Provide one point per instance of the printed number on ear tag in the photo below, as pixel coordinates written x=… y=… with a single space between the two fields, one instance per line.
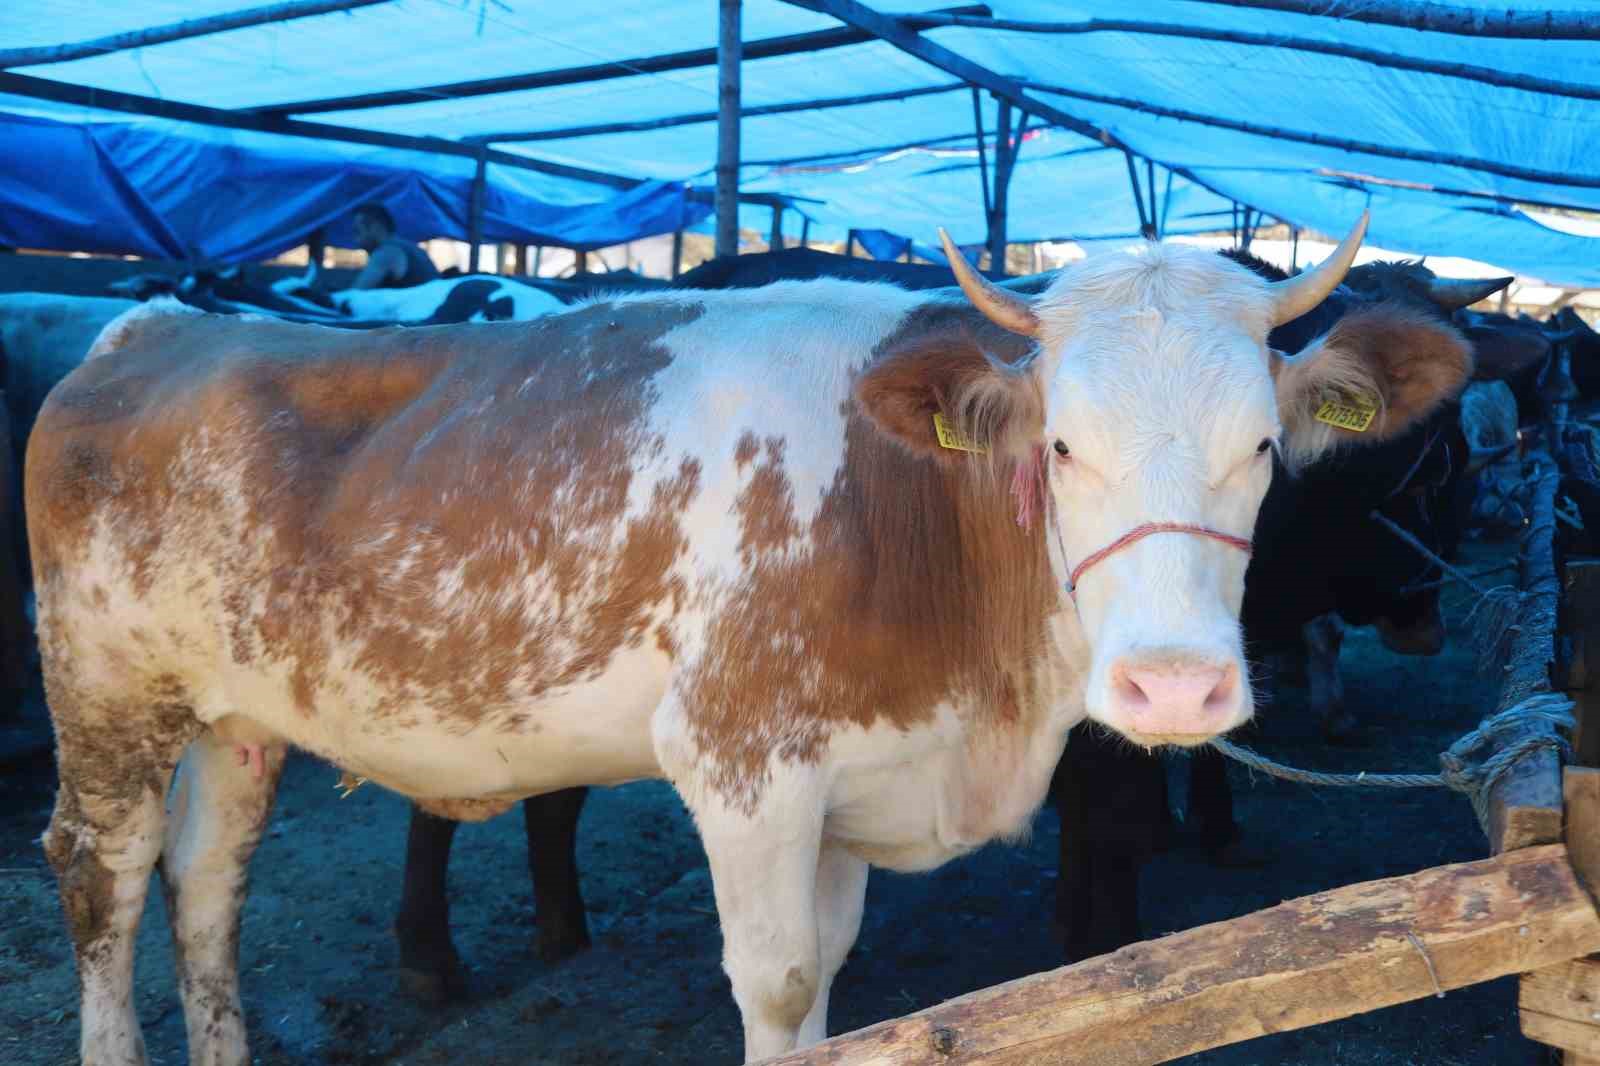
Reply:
x=952 y=438
x=1354 y=413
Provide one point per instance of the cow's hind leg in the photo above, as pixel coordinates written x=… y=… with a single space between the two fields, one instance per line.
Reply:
x=217 y=813
x=551 y=821
x=115 y=761
x=430 y=968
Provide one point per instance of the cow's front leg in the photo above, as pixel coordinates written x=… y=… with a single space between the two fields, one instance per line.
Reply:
x=1324 y=637
x=841 y=893
x=764 y=870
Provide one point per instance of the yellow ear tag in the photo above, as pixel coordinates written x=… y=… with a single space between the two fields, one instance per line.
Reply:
x=952 y=438
x=1354 y=413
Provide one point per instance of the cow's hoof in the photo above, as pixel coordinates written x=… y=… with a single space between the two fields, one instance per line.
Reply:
x=559 y=941
x=435 y=987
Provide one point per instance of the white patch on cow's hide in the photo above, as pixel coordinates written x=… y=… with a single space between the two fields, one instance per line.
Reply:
x=116 y=331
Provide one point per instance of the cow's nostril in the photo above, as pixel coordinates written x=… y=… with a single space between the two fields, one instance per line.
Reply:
x=1222 y=693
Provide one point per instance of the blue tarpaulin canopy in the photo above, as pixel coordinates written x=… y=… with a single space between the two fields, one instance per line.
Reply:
x=1301 y=115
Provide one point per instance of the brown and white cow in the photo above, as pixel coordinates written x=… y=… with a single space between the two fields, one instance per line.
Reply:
x=711 y=537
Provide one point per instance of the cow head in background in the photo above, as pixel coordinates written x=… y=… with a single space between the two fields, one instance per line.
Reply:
x=1139 y=437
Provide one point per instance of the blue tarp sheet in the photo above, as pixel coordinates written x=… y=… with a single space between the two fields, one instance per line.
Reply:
x=178 y=191
x=1442 y=156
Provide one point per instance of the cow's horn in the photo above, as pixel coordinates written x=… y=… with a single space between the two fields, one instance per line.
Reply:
x=1452 y=294
x=1005 y=309
x=1297 y=295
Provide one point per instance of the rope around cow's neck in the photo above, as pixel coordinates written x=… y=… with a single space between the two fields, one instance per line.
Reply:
x=1465 y=765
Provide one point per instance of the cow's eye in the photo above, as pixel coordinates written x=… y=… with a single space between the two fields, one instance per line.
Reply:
x=1264 y=446
x=1062 y=449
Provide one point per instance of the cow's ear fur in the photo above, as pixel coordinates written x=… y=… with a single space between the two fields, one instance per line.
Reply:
x=997 y=406
x=1403 y=361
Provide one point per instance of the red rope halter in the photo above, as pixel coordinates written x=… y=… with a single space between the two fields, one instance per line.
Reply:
x=1140 y=532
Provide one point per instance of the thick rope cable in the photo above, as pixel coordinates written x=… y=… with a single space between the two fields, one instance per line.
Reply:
x=1472 y=765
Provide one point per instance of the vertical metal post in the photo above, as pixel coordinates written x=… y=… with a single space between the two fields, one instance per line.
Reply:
x=316 y=247
x=850 y=245
x=1249 y=229
x=1138 y=194
x=775 y=243
x=805 y=231
x=580 y=261
x=1150 y=183
x=983 y=156
x=1294 y=248
x=677 y=253
x=480 y=186
x=1166 y=207
x=538 y=254
x=730 y=50
x=1004 y=153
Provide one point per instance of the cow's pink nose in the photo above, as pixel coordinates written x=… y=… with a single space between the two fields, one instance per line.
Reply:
x=1175 y=700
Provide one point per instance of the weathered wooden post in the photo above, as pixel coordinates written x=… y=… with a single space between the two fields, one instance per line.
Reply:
x=729 y=50
x=475 y=210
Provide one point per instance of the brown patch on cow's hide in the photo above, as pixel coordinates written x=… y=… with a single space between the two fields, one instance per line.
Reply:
x=766 y=506
x=464 y=810
x=444 y=506
x=746 y=450
x=931 y=367
x=911 y=586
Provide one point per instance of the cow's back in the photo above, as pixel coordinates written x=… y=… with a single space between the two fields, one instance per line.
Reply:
x=266 y=495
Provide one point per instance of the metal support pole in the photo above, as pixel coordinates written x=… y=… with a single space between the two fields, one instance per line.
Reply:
x=1166 y=208
x=850 y=245
x=729 y=49
x=775 y=243
x=580 y=261
x=538 y=254
x=317 y=247
x=983 y=155
x=677 y=253
x=1150 y=184
x=805 y=231
x=475 y=212
x=1249 y=229
x=1005 y=153
x=1138 y=194
x=1294 y=248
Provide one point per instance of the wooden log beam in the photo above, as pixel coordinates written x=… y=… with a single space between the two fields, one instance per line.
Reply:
x=1346 y=144
x=1373 y=56
x=1307 y=961
x=701 y=117
x=766 y=48
x=136 y=104
x=1442 y=18
x=176 y=31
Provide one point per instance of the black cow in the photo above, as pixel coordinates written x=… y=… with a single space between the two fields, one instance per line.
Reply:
x=800 y=264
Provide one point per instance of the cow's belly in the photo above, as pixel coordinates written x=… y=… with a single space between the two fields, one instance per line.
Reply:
x=594 y=732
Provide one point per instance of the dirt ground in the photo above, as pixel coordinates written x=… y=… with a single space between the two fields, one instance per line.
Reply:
x=318 y=959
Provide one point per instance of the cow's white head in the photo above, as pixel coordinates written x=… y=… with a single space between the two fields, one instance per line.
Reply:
x=1139 y=433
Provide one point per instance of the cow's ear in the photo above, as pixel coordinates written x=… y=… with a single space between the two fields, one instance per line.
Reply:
x=945 y=398
x=1370 y=378
x=1500 y=354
